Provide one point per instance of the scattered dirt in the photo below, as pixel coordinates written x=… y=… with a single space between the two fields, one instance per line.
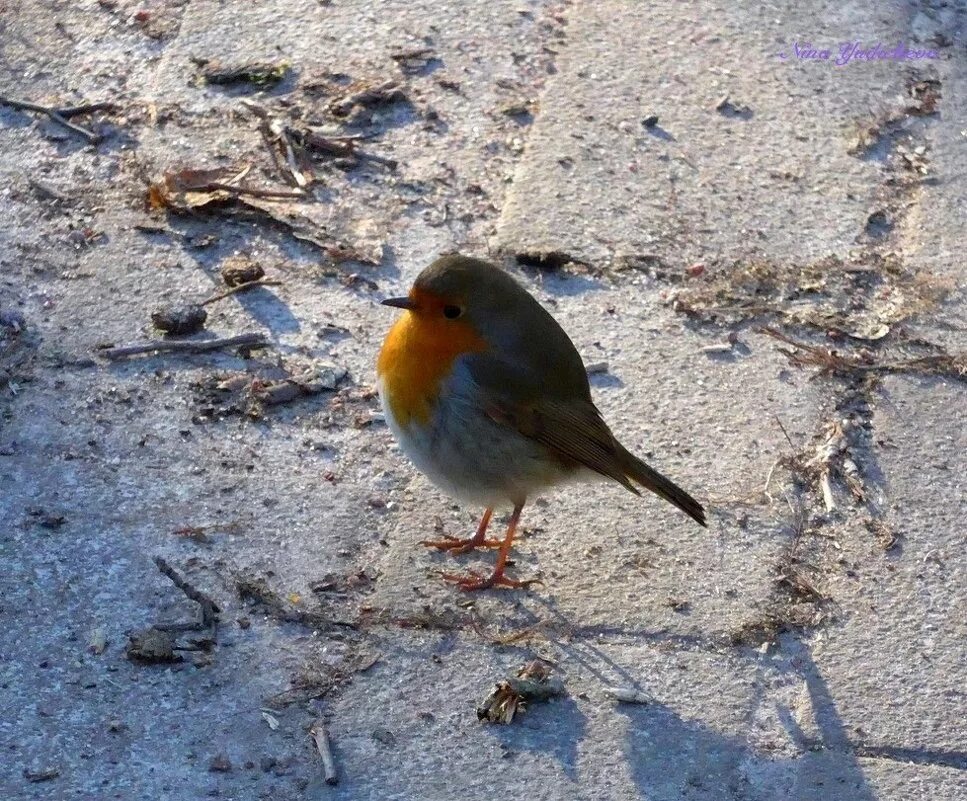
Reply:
x=252 y=392
x=889 y=125
x=316 y=680
x=17 y=349
x=256 y=592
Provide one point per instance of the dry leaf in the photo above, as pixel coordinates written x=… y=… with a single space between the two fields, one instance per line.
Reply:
x=271 y=719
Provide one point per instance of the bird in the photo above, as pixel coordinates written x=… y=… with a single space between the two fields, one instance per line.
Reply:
x=489 y=398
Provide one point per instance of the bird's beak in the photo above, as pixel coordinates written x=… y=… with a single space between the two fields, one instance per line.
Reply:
x=399 y=303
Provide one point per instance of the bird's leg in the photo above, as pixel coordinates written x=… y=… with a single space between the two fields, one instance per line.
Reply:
x=459 y=545
x=474 y=581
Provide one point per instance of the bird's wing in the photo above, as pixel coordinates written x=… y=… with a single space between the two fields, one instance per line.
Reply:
x=569 y=426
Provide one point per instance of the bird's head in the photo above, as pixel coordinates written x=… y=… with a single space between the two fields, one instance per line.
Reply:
x=462 y=294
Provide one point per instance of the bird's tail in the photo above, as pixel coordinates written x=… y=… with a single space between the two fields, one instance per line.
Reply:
x=651 y=479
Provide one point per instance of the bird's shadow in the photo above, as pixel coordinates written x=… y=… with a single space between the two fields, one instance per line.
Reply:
x=670 y=756
x=553 y=729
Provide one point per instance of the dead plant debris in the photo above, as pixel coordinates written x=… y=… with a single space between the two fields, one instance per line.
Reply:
x=357 y=103
x=320 y=736
x=157 y=645
x=923 y=99
x=730 y=108
x=832 y=361
x=794 y=580
x=63 y=115
x=532 y=683
x=763 y=630
x=97 y=641
x=316 y=680
x=189 y=189
x=628 y=695
x=341 y=583
x=548 y=260
x=220 y=763
x=862 y=296
x=298 y=149
x=240 y=288
x=255 y=591
x=202 y=534
x=152 y=647
x=538 y=630
x=262 y=74
x=414 y=61
x=250 y=394
x=887 y=537
x=345 y=148
x=209 y=610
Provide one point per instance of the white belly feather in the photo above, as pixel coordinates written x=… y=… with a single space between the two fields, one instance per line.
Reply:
x=468 y=455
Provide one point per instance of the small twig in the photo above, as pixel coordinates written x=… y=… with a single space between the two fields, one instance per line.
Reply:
x=330 y=145
x=827 y=488
x=408 y=55
x=275 y=132
x=785 y=433
x=209 y=609
x=241 y=288
x=270 y=146
x=86 y=108
x=57 y=115
x=954 y=365
x=256 y=108
x=249 y=190
x=389 y=163
x=321 y=738
x=765 y=489
x=520 y=634
x=300 y=180
x=341 y=146
x=181 y=346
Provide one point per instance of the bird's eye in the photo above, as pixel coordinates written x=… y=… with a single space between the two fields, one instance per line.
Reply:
x=452 y=312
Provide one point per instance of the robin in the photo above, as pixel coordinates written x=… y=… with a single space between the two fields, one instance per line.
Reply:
x=489 y=398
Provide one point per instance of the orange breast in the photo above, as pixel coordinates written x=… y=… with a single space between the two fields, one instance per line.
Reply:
x=417 y=356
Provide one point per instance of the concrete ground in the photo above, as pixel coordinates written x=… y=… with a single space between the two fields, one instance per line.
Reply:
x=760 y=253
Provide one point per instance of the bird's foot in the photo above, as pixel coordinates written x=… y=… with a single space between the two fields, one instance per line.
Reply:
x=458 y=545
x=471 y=581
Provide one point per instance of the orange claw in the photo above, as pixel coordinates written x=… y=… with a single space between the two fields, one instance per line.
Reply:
x=474 y=581
x=458 y=545
x=471 y=581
